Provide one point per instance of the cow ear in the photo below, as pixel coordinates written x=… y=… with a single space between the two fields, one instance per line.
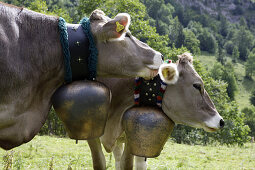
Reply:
x=116 y=29
x=97 y=15
x=169 y=73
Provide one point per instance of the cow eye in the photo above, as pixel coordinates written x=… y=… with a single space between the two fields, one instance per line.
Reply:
x=197 y=86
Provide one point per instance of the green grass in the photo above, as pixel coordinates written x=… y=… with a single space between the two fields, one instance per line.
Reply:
x=244 y=85
x=45 y=152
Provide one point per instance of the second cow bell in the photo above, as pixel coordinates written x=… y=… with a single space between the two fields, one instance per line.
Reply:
x=147 y=130
x=83 y=106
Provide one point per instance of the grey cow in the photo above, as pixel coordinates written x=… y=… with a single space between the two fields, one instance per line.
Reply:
x=32 y=65
x=185 y=102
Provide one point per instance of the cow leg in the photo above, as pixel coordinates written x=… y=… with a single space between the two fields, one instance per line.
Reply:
x=117 y=152
x=140 y=163
x=127 y=159
x=97 y=154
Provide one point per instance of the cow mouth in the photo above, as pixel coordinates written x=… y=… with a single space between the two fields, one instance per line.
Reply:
x=210 y=129
x=153 y=73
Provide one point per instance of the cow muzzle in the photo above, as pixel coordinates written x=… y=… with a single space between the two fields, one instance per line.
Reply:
x=214 y=124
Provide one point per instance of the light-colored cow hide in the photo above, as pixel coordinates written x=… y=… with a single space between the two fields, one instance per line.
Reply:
x=183 y=102
x=32 y=66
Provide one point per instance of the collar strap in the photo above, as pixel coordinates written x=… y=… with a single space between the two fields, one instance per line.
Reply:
x=80 y=52
x=149 y=92
x=65 y=47
x=92 y=60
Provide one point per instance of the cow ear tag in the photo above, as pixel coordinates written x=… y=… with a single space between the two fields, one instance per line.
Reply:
x=119 y=27
x=165 y=72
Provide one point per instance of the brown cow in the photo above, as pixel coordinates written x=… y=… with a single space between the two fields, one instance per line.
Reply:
x=32 y=65
x=185 y=102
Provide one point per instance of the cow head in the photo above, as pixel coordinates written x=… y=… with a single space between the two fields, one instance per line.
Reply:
x=185 y=100
x=120 y=53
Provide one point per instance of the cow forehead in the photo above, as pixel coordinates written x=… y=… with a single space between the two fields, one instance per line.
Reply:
x=188 y=73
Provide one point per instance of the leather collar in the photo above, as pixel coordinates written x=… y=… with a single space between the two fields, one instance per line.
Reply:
x=79 y=51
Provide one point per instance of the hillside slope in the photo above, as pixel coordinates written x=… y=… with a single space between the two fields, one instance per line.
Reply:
x=244 y=85
x=231 y=9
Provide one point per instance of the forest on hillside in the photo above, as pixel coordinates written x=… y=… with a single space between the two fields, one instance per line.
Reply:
x=173 y=27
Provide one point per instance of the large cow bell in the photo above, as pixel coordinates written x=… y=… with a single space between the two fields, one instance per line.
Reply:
x=83 y=106
x=147 y=130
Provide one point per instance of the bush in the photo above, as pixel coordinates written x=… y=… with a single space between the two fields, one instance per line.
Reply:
x=252 y=98
x=250 y=119
x=207 y=41
x=229 y=46
x=191 y=42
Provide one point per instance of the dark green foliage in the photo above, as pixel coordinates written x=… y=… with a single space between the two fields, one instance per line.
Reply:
x=174 y=52
x=235 y=54
x=229 y=46
x=223 y=26
x=207 y=41
x=225 y=73
x=176 y=36
x=244 y=40
x=161 y=13
x=252 y=99
x=53 y=126
x=250 y=65
x=191 y=42
x=238 y=10
x=221 y=55
x=229 y=77
x=250 y=118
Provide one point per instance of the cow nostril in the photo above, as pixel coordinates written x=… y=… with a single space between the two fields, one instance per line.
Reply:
x=222 y=123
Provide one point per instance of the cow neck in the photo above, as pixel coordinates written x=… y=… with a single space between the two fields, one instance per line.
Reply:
x=79 y=51
x=149 y=92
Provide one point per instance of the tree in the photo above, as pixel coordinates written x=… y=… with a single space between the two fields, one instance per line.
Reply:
x=244 y=39
x=235 y=54
x=221 y=56
x=195 y=27
x=223 y=26
x=229 y=46
x=252 y=98
x=176 y=34
x=207 y=41
x=41 y=6
x=250 y=65
x=229 y=77
x=191 y=41
x=217 y=71
x=87 y=6
x=225 y=73
x=250 y=119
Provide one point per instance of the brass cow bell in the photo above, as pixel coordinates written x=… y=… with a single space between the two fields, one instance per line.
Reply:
x=147 y=130
x=83 y=108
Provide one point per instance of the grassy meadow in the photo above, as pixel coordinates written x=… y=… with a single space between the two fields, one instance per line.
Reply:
x=45 y=152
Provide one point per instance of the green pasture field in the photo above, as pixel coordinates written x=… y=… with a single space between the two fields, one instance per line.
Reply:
x=45 y=152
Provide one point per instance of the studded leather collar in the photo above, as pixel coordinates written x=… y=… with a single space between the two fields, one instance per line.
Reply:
x=149 y=92
x=79 y=51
